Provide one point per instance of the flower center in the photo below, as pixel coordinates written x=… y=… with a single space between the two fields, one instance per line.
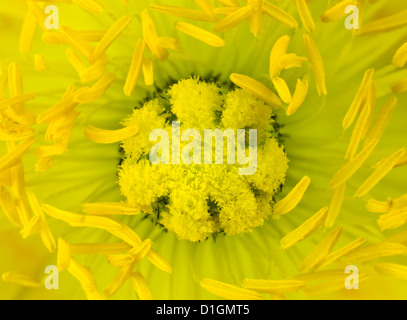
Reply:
x=199 y=188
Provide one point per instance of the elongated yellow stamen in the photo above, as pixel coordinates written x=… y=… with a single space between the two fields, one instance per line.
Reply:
x=400 y=87
x=225 y=11
x=157 y=260
x=85 y=278
x=14 y=156
x=114 y=31
x=305 y=15
x=402 y=161
x=119 y=280
x=110 y=208
x=10 y=102
x=335 y=205
x=394 y=219
x=148 y=72
x=282 y=89
x=378 y=250
x=400 y=202
x=256 y=19
x=357 y=102
x=291 y=60
x=49 y=151
x=206 y=6
x=100 y=248
x=30 y=228
x=380 y=173
x=399 y=238
x=94 y=71
x=182 y=12
x=228 y=291
x=348 y=170
x=77 y=41
x=56 y=111
x=169 y=43
x=27 y=32
x=288 y=204
x=256 y=88
x=126 y=234
x=37 y=10
x=400 y=57
x=304 y=230
x=89 y=95
x=379 y=206
x=229 y=3
x=273 y=286
x=64 y=254
x=59 y=37
x=39 y=62
x=234 y=19
x=138 y=253
x=392 y=270
x=337 y=11
x=320 y=275
x=135 y=68
x=75 y=61
x=77 y=220
x=15 y=132
x=21 y=279
x=384 y=24
x=90 y=5
x=330 y=286
x=342 y=252
x=200 y=34
x=15 y=83
x=317 y=64
x=301 y=91
x=321 y=250
x=141 y=286
x=279 y=14
x=110 y=136
x=120 y=260
x=277 y=52
x=361 y=126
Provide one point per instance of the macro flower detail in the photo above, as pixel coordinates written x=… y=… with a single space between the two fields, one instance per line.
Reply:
x=80 y=109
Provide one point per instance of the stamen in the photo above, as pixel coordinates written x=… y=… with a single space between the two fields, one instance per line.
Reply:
x=337 y=11
x=77 y=220
x=141 y=286
x=291 y=60
x=126 y=234
x=234 y=19
x=135 y=68
x=39 y=62
x=14 y=156
x=282 y=89
x=400 y=58
x=278 y=51
x=110 y=136
x=15 y=132
x=387 y=23
x=304 y=230
x=120 y=260
x=362 y=126
x=392 y=270
x=378 y=250
x=182 y=12
x=371 y=99
x=206 y=6
x=65 y=105
x=256 y=19
x=37 y=10
x=27 y=32
x=75 y=61
x=115 y=30
x=357 y=102
x=394 y=219
x=279 y=14
x=256 y=88
x=90 y=5
x=273 y=286
x=378 y=206
x=335 y=205
x=342 y=252
x=155 y=258
x=148 y=72
x=320 y=275
x=85 y=278
x=305 y=15
x=77 y=41
x=316 y=62
x=288 y=204
x=110 y=208
x=30 y=228
x=228 y=291
x=229 y=3
x=59 y=38
x=400 y=87
x=100 y=248
x=400 y=202
x=21 y=279
x=200 y=34
x=64 y=254
x=349 y=169
x=168 y=43
x=301 y=91
x=17 y=100
x=330 y=286
x=378 y=127
x=321 y=250
x=15 y=83
x=379 y=173
x=89 y=95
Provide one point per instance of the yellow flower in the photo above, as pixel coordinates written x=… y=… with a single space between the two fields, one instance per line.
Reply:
x=78 y=188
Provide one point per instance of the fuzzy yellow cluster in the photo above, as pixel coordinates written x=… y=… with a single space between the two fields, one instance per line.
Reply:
x=198 y=200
